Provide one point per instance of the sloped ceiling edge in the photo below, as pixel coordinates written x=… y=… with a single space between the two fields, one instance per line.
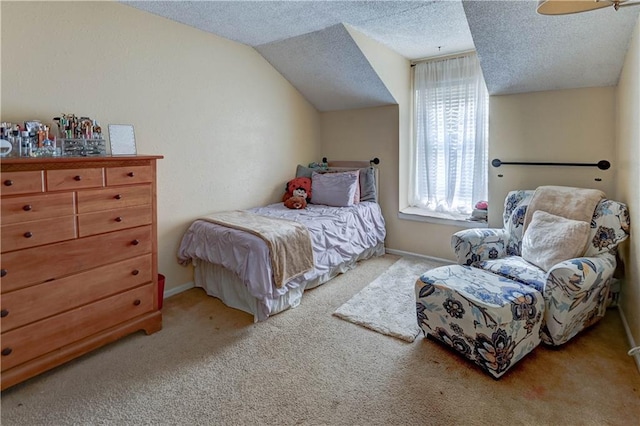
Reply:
x=329 y=69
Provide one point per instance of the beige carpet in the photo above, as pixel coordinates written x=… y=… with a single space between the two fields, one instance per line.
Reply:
x=211 y=365
x=388 y=304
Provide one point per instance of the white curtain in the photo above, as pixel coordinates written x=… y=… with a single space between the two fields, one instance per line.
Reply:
x=451 y=106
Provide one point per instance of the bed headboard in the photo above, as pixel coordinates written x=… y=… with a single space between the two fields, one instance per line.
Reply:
x=350 y=165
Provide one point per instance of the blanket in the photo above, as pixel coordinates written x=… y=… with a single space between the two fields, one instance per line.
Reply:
x=564 y=201
x=288 y=241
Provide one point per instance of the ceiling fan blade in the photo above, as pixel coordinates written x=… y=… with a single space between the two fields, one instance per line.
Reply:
x=629 y=3
x=565 y=7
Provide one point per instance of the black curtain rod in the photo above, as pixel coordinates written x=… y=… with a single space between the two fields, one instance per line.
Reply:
x=602 y=164
x=376 y=160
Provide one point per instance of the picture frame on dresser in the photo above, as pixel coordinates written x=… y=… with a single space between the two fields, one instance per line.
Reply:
x=79 y=265
x=122 y=139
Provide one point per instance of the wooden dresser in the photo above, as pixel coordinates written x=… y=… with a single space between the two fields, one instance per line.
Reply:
x=79 y=258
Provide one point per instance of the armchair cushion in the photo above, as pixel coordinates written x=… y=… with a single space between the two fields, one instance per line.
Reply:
x=516 y=269
x=551 y=239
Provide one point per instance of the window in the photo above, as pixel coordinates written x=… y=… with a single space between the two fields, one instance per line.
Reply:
x=451 y=103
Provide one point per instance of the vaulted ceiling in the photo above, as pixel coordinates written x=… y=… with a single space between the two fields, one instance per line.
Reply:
x=519 y=50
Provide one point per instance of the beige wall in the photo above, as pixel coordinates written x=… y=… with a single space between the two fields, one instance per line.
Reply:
x=230 y=127
x=557 y=126
x=373 y=132
x=628 y=179
x=363 y=134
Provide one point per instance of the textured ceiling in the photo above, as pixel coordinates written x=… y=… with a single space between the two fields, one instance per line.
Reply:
x=414 y=29
x=329 y=70
x=522 y=51
x=519 y=50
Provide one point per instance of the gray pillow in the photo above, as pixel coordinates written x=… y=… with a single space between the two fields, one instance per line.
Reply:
x=334 y=189
x=302 y=171
x=368 y=190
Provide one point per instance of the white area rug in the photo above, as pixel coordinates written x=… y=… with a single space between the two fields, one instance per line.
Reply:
x=388 y=304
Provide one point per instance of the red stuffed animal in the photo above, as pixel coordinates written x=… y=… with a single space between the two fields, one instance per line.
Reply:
x=298 y=183
x=296 y=202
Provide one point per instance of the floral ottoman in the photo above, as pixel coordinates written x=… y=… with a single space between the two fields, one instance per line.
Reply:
x=489 y=319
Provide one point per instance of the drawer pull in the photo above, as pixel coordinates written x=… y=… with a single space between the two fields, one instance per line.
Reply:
x=131 y=174
x=8 y=182
x=28 y=234
x=6 y=351
x=135 y=272
x=27 y=208
x=3 y=272
x=119 y=219
x=78 y=178
x=117 y=197
x=135 y=242
x=136 y=302
x=4 y=313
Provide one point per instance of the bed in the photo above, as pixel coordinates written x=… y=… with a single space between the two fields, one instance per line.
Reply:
x=236 y=266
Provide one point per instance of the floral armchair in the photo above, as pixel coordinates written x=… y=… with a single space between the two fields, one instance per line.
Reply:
x=576 y=290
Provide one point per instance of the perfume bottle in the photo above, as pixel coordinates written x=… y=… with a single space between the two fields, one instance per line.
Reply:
x=14 y=139
x=25 y=144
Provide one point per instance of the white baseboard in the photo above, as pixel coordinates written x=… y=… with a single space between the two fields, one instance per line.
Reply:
x=175 y=290
x=408 y=253
x=632 y=343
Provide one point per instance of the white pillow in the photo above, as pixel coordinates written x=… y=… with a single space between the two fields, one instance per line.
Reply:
x=551 y=239
x=333 y=189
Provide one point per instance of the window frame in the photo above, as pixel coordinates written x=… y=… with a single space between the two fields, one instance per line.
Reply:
x=417 y=213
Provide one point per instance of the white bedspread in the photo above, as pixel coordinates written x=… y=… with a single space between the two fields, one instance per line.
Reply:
x=338 y=234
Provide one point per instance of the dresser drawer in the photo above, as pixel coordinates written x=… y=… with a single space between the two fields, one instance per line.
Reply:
x=23 y=268
x=129 y=174
x=40 y=301
x=36 y=207
x=31 y=234
x=22 y=182
x=113 y=220
x=28 y=342
x=113 y=198
x=58 y=180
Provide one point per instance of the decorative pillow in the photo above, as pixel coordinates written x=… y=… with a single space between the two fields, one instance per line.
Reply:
x=551 y=239
x=334 y=189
